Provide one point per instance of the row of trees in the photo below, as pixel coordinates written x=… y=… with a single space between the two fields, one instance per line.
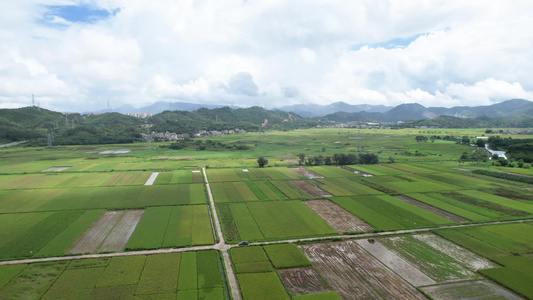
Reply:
x=338 y=159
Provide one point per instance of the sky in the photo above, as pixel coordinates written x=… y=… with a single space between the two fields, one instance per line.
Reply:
x=75 y=55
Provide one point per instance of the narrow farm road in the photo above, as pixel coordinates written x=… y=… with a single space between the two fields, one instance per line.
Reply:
x=221 y=245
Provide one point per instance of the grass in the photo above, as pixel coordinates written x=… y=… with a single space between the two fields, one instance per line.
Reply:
x=124 y=270
x=432 y=262
x=286 y=256
x=33 y=281
x=74 y=284
x=188 y=279
x=261 y=286
x=150 y=230
x=287 y=219
x=426 y=198
x=64 y=240
x=160 y=274
x=209 y=272
x=8 y=272
x=512 y=279
x=251 y=259
x=288 y=190
x=30 y=242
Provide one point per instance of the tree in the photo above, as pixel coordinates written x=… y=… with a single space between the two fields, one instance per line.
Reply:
x=421 y=138
x=262 y=161
x=480 y=143
x=301 y=158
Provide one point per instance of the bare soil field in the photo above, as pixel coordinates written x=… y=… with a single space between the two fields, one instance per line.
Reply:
x=117 y=239
x=464 y=256
x=356 y=171
x=55 y=169
x=303 y=281
x=94 y=235
x=308 y=174
x=396 y=263
x=437 y=211
x=385 y=281
x=336 y=217
x=309 y=189
x=344 y=280
x=480 y=289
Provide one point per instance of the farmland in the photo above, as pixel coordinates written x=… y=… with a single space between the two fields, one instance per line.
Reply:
x=142 y=224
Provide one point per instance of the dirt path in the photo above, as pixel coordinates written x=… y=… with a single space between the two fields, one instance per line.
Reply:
x=437 y=211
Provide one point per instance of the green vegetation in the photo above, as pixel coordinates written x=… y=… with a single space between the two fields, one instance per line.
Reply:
x=261 y=286
x=43 y=213
x=172 y=226
x=271 y=220
x=286 y=256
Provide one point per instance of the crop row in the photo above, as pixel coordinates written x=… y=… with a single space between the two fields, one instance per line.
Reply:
x=507 y=244
x=42 y=234
x=196 y=274
x=387 y=213
x=271 y=220
x=117 y=197
x=172 y=226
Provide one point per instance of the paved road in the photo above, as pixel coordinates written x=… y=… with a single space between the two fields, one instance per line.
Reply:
x=221 y=245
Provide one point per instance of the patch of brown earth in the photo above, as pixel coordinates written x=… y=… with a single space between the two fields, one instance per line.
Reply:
x=55 y=169
x=344 y=280
x=117 y=239
x=432 y=209
x=302 y=281
x=480 y=289
x=308 y=174
x=309 y=189
x=356 y=171
x=385 y=281
x=94 y=235
x=336 y=217
x=396 y=263
x=110 y=232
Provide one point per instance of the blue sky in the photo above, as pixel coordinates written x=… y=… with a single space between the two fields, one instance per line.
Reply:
x=75 y=54
x=79 y=13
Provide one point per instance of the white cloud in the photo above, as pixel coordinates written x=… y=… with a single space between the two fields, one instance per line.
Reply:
x=469 y=52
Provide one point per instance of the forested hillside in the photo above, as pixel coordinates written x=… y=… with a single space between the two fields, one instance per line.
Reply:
x=41 y=126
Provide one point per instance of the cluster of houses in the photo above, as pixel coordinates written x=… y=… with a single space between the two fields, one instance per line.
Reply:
x=172 y=136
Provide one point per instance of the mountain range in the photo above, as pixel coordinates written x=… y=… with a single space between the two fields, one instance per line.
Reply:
x=344 y=112
x=414 y=111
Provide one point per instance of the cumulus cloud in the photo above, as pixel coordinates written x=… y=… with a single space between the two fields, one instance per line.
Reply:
x=243 y=83
x=437 y=53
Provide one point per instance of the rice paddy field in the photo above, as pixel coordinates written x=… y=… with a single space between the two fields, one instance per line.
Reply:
x=432 y=228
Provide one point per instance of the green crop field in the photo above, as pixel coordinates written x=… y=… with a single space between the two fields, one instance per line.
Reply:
x=155 y=276
x=50 y=197
x=172 y=226
x=272 y=220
